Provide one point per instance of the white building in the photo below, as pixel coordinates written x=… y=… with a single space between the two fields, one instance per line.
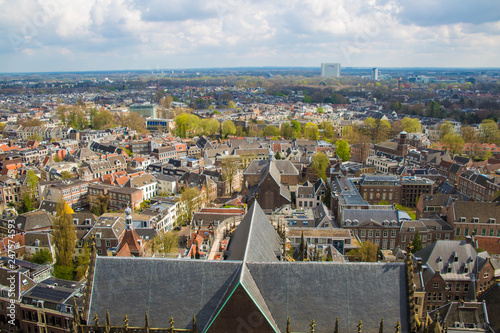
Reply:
x=330 y=70
x=146 y=183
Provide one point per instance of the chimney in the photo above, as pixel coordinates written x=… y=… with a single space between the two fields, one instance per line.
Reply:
x=419 y=264
x=468 y=240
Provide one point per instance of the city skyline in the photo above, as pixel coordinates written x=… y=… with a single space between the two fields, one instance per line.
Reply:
x=58 y=35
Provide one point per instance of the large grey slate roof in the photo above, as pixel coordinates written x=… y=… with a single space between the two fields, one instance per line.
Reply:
x=301 y=291
x=255 y=239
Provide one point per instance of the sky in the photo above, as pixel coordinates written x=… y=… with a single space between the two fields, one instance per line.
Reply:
x=87 y=35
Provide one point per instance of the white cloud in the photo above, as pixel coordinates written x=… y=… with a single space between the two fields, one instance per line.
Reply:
x=195 y=33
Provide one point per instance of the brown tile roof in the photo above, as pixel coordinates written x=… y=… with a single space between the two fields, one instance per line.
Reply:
x=489 y=244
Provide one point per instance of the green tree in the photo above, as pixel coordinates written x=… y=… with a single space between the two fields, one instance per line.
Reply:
x=66 y=175
x=231 y=105
x=63 y=272
x=210 y=126
x=433 y=109
x=489 y=131
x=368 y=252
x=296 y=126
x=135 y=122
x=453 y=142
x=26 y=204
x=446 y=128
x=64 y=235
x=101 y=119
x=327 y=129
x=320 y=110
x=230 y=165
x=32 y=181
x=35 y=137
x=343 y=150
x=271 y=131
x=228 y=128
x=411 y=125
x=100 y=205
x=77 y=118
x=165 y=243
x=416 y=243
x=190 y=197
x=82 y=262
x=311 y=131
x=320 y=162
x=468 y=134
x=42 y=257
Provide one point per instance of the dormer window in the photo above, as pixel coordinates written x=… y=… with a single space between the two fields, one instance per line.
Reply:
x=449 y=269
x=475 y=219
x=492 y=220
x=463 y=219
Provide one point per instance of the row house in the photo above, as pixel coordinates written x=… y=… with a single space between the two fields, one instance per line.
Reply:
x=380 y=227
x=374 y=188
x=452 y=171
x=165 y=210
x=119 y=197
x=30 y=156
x=97 y=169
x=478 y=186
x=106 y=149
x=73 y=191
x=140 y=147
x=201 y=181
x=225 y=187
x=108 y=232
x=474 y=218
x=436 y=204
x=412 y=188
x=41 y=307
x=430 y=229
x=146 y=183
x=310 y=195
x=163 y=154
x=382 y=164
x=11 y=190
x=451 y=271
x=46 y=133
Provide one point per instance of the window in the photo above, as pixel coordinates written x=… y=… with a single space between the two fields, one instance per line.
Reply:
x=393 y=233
x=377 y=233
x=483 y=232
x=370 y=233
x=486 y=274
x=466 y=232
x=458 y=232
x=435 y=285
x=438 y=236
x=466 y=287
x=403 y=238
x=386 y=233
x=440 y=297
x=108 y=243
x=457 y=287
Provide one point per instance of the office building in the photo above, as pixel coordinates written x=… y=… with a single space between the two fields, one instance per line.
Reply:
x=330 y=70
